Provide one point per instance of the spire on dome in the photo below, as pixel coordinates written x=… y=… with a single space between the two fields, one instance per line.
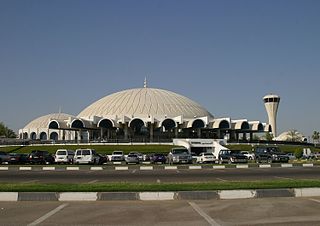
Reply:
x=145 y=82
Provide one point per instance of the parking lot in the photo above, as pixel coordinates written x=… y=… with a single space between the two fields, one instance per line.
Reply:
x=269 y=211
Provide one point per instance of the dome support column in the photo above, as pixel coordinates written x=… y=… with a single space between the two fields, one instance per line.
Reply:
x=151 y=132
x=125 y=131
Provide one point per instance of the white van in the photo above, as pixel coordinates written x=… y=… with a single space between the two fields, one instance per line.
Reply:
x=88 y=156
x=64 y=156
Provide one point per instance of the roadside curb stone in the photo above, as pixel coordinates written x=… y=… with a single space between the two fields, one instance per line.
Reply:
x=269 y=193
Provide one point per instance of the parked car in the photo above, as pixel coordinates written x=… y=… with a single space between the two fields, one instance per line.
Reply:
x=132 y=158
x=249 y=155
x=86 y=156
x=64 y=156
x=117 y=156
x=140 y=156
x=206 y=157
x=18 y=158
x=158 y=158
x=291 y=156
x=40 y=157
x=270 y=154
x=179 y=155
x=4 y=157
x=232 y=156
x=103 y=159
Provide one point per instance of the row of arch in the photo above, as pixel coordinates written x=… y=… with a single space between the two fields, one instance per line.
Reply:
x=42 y=136
x=167 y=124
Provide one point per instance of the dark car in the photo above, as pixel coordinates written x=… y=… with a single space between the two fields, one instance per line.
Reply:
x=103 y=159
x=232 y=156
x=158 y=158
x=270 y=154
x=4 y=157
x=40 y=157
x=18 y=158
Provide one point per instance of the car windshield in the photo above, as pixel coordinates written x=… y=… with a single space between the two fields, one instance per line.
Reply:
x=117 y=153
x=133 y=156
x=61 y=152
x=180 y=151
x=208 y=154
x=86 y=152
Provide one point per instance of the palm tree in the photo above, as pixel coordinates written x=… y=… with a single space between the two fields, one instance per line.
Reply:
x=316 y=136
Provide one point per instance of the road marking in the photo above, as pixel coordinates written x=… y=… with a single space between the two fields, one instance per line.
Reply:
x=46 y=216
x=30 y=181
x=25 y=168
x=158 y=181
x=315 y=200
x=4 y=168
x=178 y=171
x=92 y=182
x=203 y=214
x=221 y=179
x=72 y=168
x=121 y=168
x=134 y=171
x=286 y=178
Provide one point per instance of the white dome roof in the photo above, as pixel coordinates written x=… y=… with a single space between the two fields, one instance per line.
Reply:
x=43 y=121
x=291 y=135
x=145 y=102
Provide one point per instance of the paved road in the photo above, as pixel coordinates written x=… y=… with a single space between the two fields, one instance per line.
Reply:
x=271 y=211
x=135 y=175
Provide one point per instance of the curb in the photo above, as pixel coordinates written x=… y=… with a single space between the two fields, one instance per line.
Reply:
x=165 y=167
x=158 y=196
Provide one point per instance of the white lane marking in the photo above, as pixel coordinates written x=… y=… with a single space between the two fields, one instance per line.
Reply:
x=315 y=200
x=46 y=216
x=221 y=179
x=203 y=214
x=134 y=171
x=286 y=178
x=178 y=171
x=93 y=181
x=30 y=181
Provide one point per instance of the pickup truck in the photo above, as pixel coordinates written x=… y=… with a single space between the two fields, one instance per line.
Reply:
x=179 y=155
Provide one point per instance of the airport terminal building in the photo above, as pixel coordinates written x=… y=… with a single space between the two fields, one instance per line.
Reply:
x=140 y=115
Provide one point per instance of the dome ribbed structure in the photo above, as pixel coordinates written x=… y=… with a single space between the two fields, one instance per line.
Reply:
x=145 y=102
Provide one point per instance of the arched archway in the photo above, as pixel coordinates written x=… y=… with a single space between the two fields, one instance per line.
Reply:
x=54 y=136
x=260 y=127
x=197 y=124
x=43 y=136
x=33 y=136
x=25 y=135
x=245 y=126
x=77 y=124
x=138 y=127
x=168 y=124
x=224 y=124
x=53 y=125
x=106 y=123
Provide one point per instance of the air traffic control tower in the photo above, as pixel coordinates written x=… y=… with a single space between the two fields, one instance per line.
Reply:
x=271 y=102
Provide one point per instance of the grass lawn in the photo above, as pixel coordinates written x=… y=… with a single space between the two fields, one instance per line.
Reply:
x=139 y=187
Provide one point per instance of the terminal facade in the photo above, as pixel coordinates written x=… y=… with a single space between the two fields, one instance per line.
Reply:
x=141 y=115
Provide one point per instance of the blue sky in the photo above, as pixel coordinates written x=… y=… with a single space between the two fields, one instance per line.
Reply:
x=226 y=55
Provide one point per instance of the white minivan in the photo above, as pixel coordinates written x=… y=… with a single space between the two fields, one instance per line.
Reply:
x=64 y=156
x=88 y=156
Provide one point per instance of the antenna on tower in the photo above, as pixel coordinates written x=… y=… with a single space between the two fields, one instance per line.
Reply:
x=145 y=82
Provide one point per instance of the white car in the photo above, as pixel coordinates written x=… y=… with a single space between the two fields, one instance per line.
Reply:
x=117 y=156
x=249 y=155
x=88 y=156
x=206 y=157
x=64 y=156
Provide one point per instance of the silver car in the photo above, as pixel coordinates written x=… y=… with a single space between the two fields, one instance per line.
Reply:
x=132 y=158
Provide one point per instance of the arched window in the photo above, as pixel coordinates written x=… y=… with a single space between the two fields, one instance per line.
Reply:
x=168 y=124
x=43 y=136
x=78 y=124
x=197 y=124
x=245 y=126
x=33 y=136
x=224 y=124
x=137 y=126
x=53 y=125
x=105 y=123
x=54 y=136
